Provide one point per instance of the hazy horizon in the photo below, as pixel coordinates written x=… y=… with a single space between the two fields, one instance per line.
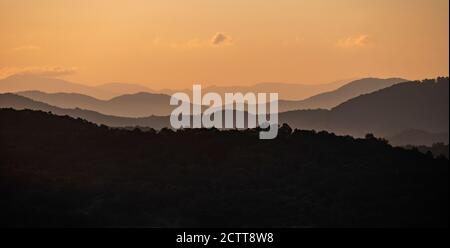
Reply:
x=187 y=86
x=174 y=44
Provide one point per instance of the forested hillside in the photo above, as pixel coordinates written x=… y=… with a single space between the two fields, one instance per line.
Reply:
x=60 y=171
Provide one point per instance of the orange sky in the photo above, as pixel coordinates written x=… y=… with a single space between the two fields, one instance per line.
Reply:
x=173 y=44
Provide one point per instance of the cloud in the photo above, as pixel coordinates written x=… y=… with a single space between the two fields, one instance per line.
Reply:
x=221 y=38
x=361 y=40
x=45 y=71
x=26 y=48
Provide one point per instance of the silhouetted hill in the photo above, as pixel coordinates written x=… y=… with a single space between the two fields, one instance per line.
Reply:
x=59 y=171
x=141 y=104
x=333 y=98
x=19 y=102
x=386 y=112
x=411 y=105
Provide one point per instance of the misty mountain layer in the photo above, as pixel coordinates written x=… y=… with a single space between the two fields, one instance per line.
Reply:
x=388 y=112
x=146 y=104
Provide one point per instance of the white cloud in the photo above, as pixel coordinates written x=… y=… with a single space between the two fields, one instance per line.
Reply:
x=220 y=39
x=361 y=40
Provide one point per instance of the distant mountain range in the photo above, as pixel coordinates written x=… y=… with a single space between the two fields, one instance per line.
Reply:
x=130 y=105
x=24 y=82
x=146 y=104
x=387 y=112
x=18 y=83
x=284 y=90
x=9 y=100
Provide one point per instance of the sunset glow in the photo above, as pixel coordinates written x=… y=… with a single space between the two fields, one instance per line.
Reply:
x=173 y=44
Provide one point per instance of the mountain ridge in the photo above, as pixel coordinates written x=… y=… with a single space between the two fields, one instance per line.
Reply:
x=330 y=99
x=142 y=104
x=16 y=83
